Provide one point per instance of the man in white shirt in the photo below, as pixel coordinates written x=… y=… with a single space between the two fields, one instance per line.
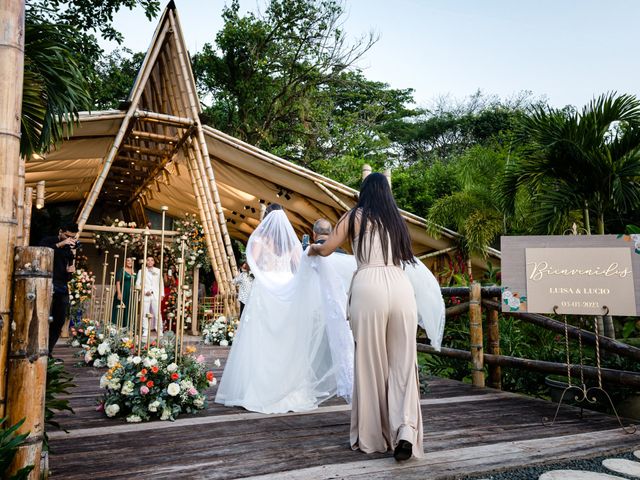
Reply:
x=153 y=290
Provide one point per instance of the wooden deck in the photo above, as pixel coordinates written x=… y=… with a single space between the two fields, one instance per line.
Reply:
x=467 y=431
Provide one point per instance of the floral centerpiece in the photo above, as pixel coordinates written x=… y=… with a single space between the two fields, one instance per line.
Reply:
x=80 y=291
x=221 y=331
x=84 y=332
x=141 y=388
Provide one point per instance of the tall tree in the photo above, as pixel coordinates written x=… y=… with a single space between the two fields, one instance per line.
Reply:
x=579 y=163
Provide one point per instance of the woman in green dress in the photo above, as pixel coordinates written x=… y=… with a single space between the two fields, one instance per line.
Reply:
x=123 y=292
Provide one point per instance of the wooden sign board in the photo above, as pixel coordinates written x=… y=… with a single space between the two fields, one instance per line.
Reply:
x=575 y=275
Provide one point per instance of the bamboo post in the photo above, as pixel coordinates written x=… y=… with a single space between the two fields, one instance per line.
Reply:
x=112 y=285
x=28 y=351
x=143 y=271
x=121 y=306
x=11 y=78
x=26 y=224
x=475 y=331
x=159 y=325
x=133 y=302
x=185 y=291
x=180 y=309
x=105 y=265
x=493 y=344
x=194 y=300
x=20 y=195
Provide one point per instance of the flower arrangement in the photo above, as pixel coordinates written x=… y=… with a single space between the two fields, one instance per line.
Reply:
x=110 y=241
x=221 y=331
x=80 y=291
x=84 y=333
x=195 y=252
x=141 y=388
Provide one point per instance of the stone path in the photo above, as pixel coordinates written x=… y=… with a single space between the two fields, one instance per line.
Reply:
x=622 y=466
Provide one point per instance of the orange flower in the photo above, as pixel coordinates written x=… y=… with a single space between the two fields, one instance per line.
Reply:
x=150 y=384
x=143 y=379
x=210 y=376
x=154 y=369
x=143 y=371
x=174 y=376
x=191 y=349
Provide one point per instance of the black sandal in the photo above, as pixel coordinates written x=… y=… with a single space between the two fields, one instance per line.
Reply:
x=403 y=451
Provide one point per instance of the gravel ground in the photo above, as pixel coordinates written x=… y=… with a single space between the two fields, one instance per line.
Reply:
x=532 y=473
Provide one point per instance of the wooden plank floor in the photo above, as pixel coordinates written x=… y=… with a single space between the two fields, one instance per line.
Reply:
x=467 y=431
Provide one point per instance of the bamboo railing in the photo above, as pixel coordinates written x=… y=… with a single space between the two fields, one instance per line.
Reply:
x=480 y=297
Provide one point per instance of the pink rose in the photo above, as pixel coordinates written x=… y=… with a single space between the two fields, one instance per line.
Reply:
x=193 y=391
x=144 y=390
x=200 y=359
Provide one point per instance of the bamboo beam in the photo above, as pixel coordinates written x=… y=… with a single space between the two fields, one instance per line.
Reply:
x=104 y=228
x=11 y=78
x=163 y=118
x=437 y=253
x=588 y=338
x=475 y=333
x=332 y=195
x=125 y=127
x=154 y=137
x=617 y=377
x=151 y=152
x=457 y=310
x=28 y=356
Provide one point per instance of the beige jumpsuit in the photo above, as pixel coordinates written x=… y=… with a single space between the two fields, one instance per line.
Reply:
x=383 y=316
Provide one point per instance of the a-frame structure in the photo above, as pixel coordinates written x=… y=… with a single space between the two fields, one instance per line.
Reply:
x=156 y=152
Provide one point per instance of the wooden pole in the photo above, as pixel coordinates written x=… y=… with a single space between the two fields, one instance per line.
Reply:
x=28 y=352
x=105 y=265
x=588 y=338
x=11 y=78
x=332 y=195
x=143 y=272
x=475 y=332
x=493 y=344
x=121 y=305
x=617 y=377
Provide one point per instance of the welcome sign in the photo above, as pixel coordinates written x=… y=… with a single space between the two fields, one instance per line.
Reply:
x=581 y=275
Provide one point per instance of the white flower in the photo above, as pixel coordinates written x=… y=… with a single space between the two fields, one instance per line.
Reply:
x=98 y=363
x=230 y=334
x=150 y=362
x=198 y=402
x=75 y=343
x=222 y=319
x=88 y=357
x=127 y=388
x=166 y=414
x=112 y=410
x=104 y=348
x=104 y=381
x=514 y=302
x=112 y=360
x=163 y=356
x=114 y=384
x=173 y=389
x=224 y=343
x=73 y=302
x=153 y=406
x=136 y=360
x=134 y=419
x=217 y=362
x=172 y=367
x=213 y=382
x=101 y=336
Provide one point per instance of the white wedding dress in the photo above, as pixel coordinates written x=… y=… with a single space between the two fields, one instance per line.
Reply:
x=294 y=349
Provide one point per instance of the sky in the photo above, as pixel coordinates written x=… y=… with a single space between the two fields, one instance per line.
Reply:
x=564 y=51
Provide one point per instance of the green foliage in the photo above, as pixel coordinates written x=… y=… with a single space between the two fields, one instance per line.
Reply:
x=54 y=87
x=115 y=75
x=59 y=383
x=584 y=164
x=10 y=441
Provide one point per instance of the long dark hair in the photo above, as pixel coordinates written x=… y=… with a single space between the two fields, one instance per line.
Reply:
x=378 y=211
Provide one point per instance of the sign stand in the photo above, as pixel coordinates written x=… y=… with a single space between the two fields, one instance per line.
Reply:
x=581 y=392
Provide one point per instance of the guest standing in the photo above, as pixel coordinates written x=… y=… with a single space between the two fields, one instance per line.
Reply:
x=385 y=411
x=153 y=289
x=123 y=293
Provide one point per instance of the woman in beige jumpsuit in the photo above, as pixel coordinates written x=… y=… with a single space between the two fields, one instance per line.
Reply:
x=386 y=402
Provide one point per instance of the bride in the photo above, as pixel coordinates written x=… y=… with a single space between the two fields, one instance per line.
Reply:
x=293 y=349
